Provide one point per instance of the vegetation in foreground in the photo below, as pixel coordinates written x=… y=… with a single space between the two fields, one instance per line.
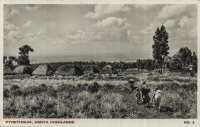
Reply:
x=111 y=99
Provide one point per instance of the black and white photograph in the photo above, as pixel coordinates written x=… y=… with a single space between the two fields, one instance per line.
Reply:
x=100 y=61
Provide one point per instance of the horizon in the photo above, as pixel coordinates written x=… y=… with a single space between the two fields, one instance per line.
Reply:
x=93 y=30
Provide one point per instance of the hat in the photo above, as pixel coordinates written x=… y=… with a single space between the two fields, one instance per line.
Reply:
x=131 y=81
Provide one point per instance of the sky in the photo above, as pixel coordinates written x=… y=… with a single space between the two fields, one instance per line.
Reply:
x=59 y=30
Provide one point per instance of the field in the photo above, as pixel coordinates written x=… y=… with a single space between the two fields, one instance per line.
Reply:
x=74 y=97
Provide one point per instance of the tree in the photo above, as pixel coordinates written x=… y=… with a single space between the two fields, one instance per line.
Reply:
x=185 y=56
x=4 y=59
x=23 y=59
x=194 y=61
x=175 y=63
x=160 y=46
x=138 y=64
x=9 y=62
x=149 y=64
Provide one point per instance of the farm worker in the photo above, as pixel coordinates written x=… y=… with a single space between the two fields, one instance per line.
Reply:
x=137 y=93
x=131 y=83
x=134 y=89
x=157 y=97
x=145 y=96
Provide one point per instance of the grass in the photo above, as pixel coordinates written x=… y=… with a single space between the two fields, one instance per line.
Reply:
x=58 y=98
x=63 y=101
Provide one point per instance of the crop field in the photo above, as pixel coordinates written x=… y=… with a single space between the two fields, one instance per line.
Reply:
x=64 y=97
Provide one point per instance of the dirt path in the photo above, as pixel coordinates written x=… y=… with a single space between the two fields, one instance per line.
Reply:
x=145 y=113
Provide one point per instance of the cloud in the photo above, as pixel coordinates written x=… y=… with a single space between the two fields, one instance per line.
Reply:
x=10 y=11
x=31 y=7
x=171 y=23
x=41 y=31
x=109 y=30
x=9 y=26
x=28 y=35
x=29 y=38
x=110 y=22
x=28 y=24
x=13 y=10
x=15 y=34
x=150 y=29
x=103 y=9
x=174 y=11
x=187 y=22
x=180 y=22
x=187 y=29
x=79 y=37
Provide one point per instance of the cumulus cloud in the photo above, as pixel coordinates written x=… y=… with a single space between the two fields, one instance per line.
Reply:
x=149 y=30
x=28 y=35
x=15 y=34
x=180 y=22
x=171 y=23
x=110 y=30
x=41 y=31
x=79 y=37
x=187 y=29
x=174 y=11
x=9 y=26
x=103 y=9
x=10 y=11
x=28 y=24
x=110 y=22
x=187 y=22
x=13 y=10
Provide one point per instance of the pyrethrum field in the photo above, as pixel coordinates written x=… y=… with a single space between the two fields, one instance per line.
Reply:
x=63 y=98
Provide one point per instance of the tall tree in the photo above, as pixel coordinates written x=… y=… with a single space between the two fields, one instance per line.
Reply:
x=160 y=46
x=194 y=61
x=185 y=56
x=175 y=62
x=23 y=59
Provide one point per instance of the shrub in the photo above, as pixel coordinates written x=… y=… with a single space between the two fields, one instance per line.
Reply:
x=52 y=92
x=93 y=87
x=171 y=101
x=17 y=92
x=14 y=87
x=6 y=93
x=34 y=89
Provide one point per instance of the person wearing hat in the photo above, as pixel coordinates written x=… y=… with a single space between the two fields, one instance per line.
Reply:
x=131 y=82
x=145 y=96
x=135 y=90
x=157 y=97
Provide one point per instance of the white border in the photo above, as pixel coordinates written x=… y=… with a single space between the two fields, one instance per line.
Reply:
x=102 y=122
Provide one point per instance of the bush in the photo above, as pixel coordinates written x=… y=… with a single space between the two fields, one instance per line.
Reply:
x=171 y=101
x=52 y=92
x=6 y=93
x=14 y=87
x=93 y=87
x=17 y=92
x=34 y=89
